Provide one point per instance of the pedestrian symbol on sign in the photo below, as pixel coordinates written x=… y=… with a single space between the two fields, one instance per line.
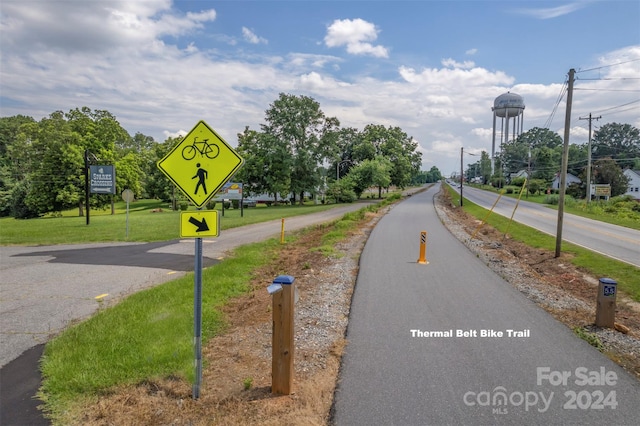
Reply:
x=202 y=175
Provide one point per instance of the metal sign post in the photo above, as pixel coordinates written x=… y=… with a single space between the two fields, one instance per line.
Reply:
x=200 y=165
x=128 y=196
x=197 y=318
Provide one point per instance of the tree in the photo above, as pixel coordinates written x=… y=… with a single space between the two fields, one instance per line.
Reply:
x=129 y=174
x=15 y=161
x=376 y=172
x=393 y=144
x=607 y=172
x=267 y=164
x=341 y=191
x=540 y=149
x=620 y=142
x=57 y=177
x=157 y=185
x=308 y=137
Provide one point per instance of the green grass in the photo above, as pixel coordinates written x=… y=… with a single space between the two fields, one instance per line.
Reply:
x=144 y=226
x=590 y=338
x=147 y=335
x=150 y=333
x=627 y=276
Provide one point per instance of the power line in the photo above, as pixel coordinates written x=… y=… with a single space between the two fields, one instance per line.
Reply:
x=609 y=90
x=608 y=78
x=607 y=66
x=563 y=90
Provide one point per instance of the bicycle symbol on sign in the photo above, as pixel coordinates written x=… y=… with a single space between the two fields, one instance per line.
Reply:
x=210 y=150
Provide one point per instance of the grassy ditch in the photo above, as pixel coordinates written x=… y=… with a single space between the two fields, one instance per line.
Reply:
x=627 y=276
x=149 y=334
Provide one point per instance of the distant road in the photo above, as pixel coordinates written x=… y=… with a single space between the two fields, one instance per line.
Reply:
x=614 y=241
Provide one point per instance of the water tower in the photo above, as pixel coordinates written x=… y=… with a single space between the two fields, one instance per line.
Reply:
x=506 y=106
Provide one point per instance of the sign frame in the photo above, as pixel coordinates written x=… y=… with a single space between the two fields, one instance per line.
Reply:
x=202 y=159
x=199 y=224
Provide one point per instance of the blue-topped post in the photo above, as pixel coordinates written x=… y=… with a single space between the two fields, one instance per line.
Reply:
x=283 y=291
x=606 y=305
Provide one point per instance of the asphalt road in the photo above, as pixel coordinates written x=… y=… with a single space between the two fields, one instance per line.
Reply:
x=613 y=241
x=402 y=368
x=46 y=288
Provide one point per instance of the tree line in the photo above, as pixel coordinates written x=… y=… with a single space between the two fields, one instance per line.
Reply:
x=538 y=152
x=296 y=152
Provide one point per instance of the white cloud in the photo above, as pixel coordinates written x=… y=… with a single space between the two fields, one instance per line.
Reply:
x=471 y=52
x=93 y=26
x=251 y=37
x=356 y=34
x=450 y=63
x=552 y=12
x=156 y=85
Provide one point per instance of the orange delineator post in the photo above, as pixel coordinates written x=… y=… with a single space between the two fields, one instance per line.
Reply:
x=423 y=248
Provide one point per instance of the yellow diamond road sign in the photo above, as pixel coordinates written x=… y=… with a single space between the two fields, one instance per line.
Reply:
x=201 y=223
x=201 y=164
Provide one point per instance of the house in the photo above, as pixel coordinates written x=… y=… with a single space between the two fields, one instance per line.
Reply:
x=633 y=188
x=521 y=174
x=570 y=179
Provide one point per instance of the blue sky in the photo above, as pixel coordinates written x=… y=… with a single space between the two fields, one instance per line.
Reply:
x=432 y=68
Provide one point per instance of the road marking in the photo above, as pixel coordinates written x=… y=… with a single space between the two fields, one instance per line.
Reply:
x=102 y=296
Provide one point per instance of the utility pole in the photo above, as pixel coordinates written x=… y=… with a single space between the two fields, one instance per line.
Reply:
x=461 y=174
x=565 y=162
x=590 y=118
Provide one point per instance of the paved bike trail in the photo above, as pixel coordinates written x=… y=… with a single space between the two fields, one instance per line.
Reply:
x=416 y=355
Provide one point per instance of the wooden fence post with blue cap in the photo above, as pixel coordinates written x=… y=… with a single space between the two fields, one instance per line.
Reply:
x=606 y=303
x=282 y=351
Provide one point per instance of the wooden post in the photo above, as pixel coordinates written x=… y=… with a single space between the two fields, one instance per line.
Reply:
x=606 y=303
x=282 y=351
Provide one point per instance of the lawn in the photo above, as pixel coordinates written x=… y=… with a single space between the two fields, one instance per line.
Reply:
x=146 y=223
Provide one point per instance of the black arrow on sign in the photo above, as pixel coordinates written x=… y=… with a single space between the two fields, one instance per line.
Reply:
x=202 y=226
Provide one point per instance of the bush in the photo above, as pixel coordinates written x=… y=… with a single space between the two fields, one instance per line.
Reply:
x=235 y=204
x=184 y=205
x=19 y=208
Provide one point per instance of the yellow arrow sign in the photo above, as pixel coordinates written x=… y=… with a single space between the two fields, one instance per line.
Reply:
x=200 y=164
x=201 y=223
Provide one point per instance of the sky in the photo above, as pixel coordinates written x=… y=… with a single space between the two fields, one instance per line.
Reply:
x=431 y=67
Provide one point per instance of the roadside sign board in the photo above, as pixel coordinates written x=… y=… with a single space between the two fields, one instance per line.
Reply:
x=198 y=224
x=103 y=179
x=200 y=164
x=230 y=191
